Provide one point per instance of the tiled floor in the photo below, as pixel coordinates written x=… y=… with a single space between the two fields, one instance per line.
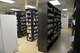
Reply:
x=62 y=45
x=27 y=47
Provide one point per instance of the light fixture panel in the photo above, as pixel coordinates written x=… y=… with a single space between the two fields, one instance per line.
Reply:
x=13 y=9
x=8 y=1
x=55 y=2
x=29 y=6
x=64 y=9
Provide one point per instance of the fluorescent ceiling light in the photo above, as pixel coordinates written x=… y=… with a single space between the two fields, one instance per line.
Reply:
x=55 y=2
x=65 y=9
x=7 y=1
x=29 y=6
x=15 y=9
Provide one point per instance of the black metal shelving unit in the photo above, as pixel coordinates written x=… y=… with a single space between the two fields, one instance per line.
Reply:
x=76 y=46
x=54 y=24
x=49 y=26
x=21 y=23
x=32 y=24
x=76 y=15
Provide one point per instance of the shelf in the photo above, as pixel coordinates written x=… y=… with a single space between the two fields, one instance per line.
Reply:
x=21 y=23
x=54 y=19
x=51 y=44
x=49 y=26
x=34 y=22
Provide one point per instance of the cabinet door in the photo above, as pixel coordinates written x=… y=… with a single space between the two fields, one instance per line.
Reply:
x=9 y=33
x=1 y=43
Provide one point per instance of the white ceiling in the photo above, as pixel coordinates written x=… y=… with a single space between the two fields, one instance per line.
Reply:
x=20 y=4
x=69 y=4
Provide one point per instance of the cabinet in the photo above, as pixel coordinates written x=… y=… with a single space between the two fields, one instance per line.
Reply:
x=8 y=34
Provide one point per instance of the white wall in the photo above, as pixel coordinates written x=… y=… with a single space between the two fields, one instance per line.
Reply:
x=65 y=20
